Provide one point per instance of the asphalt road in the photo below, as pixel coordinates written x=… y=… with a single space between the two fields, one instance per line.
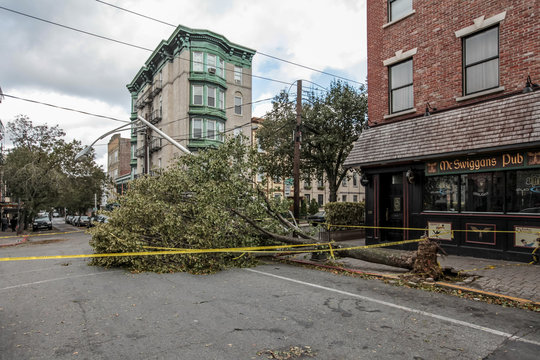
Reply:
x=65 y=309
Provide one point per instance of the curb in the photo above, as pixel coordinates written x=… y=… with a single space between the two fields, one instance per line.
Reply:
x=23 y=240
x=437 y=283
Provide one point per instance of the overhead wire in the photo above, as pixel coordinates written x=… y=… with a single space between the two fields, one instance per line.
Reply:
x=65 y=108
x=121 y=42
x=258 y=52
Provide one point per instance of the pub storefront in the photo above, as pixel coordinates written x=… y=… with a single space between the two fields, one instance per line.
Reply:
x=472 y=186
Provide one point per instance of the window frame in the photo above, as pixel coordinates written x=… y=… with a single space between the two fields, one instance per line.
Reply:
x=465 y=66
x=391 y=90
x=196 y=65
x=193 y=121
x=197 y=86
x=238 y=107
x=238 y=75
x=399 y=16
x=211 y=89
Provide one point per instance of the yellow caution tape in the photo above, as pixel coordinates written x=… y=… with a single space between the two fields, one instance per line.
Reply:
x=42 y=234
x=263 y=249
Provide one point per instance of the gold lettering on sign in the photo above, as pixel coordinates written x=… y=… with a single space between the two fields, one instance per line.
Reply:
x=445 y=165
x=509 y=159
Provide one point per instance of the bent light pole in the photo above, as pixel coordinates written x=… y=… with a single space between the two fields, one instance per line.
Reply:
x=87 y=149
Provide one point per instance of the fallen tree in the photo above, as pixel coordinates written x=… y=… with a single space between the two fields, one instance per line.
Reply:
x=208 y=201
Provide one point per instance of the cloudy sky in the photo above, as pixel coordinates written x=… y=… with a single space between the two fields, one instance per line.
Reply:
x=52 y=64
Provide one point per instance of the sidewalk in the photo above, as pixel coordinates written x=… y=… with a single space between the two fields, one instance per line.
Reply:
x=10 y=238
x=501 y=277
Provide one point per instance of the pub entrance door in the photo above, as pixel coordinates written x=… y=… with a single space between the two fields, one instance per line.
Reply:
x=391 y=206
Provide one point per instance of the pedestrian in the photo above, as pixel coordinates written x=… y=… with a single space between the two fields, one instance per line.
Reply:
x=13 y=224
x=4 y=223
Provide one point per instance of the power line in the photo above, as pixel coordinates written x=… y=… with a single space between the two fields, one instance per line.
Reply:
x=65 y=108
x=120 y=42
x=258 y=52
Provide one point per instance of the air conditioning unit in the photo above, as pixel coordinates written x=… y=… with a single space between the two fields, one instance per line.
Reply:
x=238 y=82
x=212 y=70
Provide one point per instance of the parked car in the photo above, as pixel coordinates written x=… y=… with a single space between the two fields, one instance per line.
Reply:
x=70 y=219
x=83 y=220
x=317 y=218
x=100 y=219
x=42 y=222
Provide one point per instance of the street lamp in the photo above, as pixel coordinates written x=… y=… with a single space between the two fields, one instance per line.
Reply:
x=87 y=149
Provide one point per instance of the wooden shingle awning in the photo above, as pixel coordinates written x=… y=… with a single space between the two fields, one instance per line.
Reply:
x=503 y=124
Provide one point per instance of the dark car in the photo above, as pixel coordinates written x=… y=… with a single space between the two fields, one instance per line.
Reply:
x=83 y=220
x=317 y=218
x=42 y=222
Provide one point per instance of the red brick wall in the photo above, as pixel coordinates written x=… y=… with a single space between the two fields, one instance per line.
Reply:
x=437 y=65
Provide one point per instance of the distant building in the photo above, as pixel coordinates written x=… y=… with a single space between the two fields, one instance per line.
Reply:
x=196 y=88
x=454 y=138
x=118 y=165
x=316 y=189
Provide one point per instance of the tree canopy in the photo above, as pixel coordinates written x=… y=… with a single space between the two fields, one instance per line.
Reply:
x=40 y=170
x=331 y=123
x=204 y=201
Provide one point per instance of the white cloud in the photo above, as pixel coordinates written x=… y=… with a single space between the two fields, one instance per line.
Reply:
x=56 y=65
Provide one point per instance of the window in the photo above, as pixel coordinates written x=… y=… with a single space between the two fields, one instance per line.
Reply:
x=344 y=198
x=211 y=62
x=307 y=184
x=355 y=180
x=474 y=192
x=320 y=199
x=222 y=99
x=196 y=128
x=221 y=68
x=523 y=189
x=197 y=94
x=355 y=198
x=198 y=64
x=344 y=182
x=238 y=104
x=481 y=61
x=398 y=9
x=401 y=86
x=219 y=130
x=308 y=199
x=441 y=193
x=238 y=75
x=211 y=96
x=211 y=129
x=320 y=182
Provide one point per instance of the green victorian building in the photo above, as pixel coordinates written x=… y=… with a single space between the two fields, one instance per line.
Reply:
x=196 y=88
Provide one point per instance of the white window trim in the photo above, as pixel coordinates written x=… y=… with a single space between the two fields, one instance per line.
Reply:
x=193 y=94
x=481 y=93
x=480 y=23
x=405 y=112
x=400 y=56
x=398 y=20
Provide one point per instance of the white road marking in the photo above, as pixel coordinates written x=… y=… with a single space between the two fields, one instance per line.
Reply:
x=55 y=279
x=404 y=308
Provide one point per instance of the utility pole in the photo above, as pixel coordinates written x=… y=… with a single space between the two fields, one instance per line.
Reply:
x=296 y=160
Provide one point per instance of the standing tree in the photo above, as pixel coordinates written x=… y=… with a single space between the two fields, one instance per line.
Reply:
x=331 y=124
x=40 y=170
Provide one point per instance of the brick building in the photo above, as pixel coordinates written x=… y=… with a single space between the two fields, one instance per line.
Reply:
x=118 y=164
x=454 y=115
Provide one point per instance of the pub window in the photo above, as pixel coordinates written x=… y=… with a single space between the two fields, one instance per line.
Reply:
x=482 y=192
x=523 y=189
x=481 y=61
x=441 y=193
